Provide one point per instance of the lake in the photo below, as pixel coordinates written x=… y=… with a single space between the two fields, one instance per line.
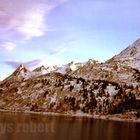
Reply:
x=20 y=126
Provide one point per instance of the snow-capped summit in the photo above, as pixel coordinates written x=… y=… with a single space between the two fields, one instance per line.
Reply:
x=21 y=73
x=130 y=56
x=19 y=70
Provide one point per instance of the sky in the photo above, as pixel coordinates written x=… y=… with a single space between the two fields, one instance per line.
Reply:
x=53 y=32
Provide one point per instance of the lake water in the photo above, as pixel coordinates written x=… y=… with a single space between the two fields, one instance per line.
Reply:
x=19 y=126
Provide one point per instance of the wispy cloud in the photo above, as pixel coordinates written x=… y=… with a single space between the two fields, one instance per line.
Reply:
x=26 y=17
x=7 y=45
x=58 y=50
x=62 y=47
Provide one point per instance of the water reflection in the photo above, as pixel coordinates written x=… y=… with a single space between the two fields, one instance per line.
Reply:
x=15 y=126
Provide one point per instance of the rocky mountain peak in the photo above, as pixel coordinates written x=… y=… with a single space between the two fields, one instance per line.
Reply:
x=129 y=56
x=20 y=69
x=41 y=68
x=131 y=51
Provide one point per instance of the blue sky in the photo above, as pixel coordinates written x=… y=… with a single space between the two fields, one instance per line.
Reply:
x=49 y=32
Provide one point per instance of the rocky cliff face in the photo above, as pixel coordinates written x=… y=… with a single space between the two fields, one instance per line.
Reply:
x=91 y=87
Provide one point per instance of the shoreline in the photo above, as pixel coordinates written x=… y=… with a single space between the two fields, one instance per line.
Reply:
x=78 y=115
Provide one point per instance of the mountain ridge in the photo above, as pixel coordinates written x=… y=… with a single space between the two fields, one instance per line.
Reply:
x=90 y=87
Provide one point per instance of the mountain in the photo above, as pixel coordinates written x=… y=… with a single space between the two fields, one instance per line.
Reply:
x=43 y=70
x=122 y=68
x=59 y=93
x=64 y=69
x=130 y=56
x=90 y=87
x=20 y=74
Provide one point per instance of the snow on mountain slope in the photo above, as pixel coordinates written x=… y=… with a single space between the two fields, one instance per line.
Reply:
x=110 y=72
x=21 y=73
x=130 y=56
x=70 y=67
x=42 y=70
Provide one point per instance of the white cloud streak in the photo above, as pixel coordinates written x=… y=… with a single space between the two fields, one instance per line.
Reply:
x=26 y=17
x=58 y=50
x=9 y=46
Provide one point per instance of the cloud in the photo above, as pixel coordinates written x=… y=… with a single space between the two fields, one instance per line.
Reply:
x=9 y=46
x=62 y=47
x=26 y=18
x=29 y=64
x=58 y=50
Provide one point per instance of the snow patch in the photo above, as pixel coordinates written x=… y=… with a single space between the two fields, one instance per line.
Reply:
x=53 y=98
x=111 y=90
